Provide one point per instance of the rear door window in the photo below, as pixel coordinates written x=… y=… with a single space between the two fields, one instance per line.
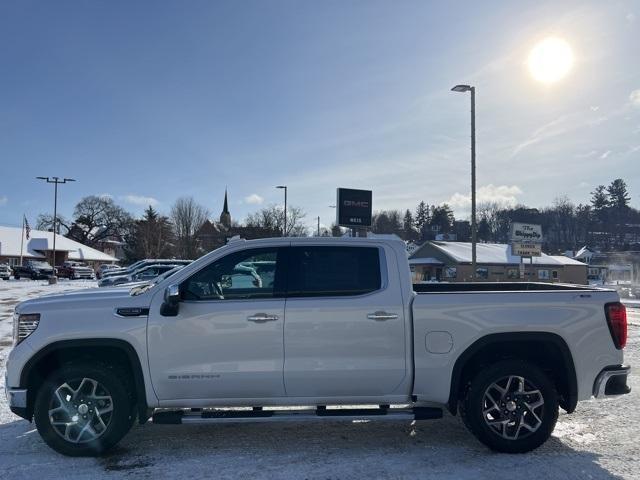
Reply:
x=328 y=271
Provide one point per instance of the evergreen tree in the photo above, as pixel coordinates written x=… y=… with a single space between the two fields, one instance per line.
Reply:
x=442 y=218
x=599 y=199
x=422 y=216
x=618 y=194
x=409 y=233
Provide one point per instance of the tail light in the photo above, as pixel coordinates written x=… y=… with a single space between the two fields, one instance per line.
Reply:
x=616 y=315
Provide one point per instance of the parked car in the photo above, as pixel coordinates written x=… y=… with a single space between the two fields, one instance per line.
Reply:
x=5 y=271
x=151 y=282
x=143 y=263
x=143 y=274
x=33 y=269
x=505 y=356
x=106 y=267
x=75 y=270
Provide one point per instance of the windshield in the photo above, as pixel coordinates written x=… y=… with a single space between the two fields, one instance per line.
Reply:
x=139 y=289
x=41 y=264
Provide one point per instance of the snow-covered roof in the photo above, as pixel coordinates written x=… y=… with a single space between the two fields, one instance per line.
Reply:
x=582 y=252
x=41 y=241
x=496 y=253
x=425 y=261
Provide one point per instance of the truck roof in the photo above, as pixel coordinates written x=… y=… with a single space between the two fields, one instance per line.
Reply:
x=370 y=238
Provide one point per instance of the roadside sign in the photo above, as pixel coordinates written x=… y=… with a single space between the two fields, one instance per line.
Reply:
x=353 y=207
x=526 y=232
x=523 y=249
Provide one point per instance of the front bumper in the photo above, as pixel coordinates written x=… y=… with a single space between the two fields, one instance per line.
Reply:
x=17 y=397
x=612 y=381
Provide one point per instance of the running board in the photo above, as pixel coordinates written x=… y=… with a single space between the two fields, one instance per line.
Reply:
x=339 y=414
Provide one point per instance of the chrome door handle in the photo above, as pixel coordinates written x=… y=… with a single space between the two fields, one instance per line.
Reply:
x=382 y=316
x=262 y=317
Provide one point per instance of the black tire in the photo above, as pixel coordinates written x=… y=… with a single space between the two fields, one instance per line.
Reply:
x=120 y=420
x=477 y=410
x=16 y=276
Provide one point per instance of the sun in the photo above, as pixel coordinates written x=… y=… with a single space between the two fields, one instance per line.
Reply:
x=550 y=60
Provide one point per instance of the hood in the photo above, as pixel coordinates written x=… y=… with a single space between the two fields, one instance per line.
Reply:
x=73 y=298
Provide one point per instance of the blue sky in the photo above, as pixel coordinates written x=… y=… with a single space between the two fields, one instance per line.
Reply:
x=149 y=101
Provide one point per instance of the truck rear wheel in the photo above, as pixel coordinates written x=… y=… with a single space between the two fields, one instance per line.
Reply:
x=511 y=406
x=83 y=410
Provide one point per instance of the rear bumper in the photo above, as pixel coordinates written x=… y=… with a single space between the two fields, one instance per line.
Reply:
x=612 y=381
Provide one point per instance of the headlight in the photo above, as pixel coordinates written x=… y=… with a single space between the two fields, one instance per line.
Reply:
x=24 y=325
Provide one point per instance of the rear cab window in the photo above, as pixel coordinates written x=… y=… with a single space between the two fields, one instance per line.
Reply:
x=329 y=271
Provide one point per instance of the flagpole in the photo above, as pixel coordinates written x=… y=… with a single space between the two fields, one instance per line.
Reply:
x=22 y=238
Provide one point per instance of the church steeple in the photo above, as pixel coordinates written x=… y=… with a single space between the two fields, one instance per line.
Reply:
x=225 y=216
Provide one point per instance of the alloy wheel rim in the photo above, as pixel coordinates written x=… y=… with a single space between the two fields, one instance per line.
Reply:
x=513 y=407
x=81 y=410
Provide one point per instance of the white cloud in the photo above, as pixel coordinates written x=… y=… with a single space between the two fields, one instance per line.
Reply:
x=3 y=200
x=105 y=196
x=140 y=200
x=635 y=97
x=605 y=155
x=254 y=199
x=505 y=195
x=594 y=108
x=586 y=154
x=631 y=17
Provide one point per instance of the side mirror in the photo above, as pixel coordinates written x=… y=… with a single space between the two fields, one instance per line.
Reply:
x=171 y=304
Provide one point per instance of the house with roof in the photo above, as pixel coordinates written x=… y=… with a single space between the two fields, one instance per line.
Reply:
x=39 y=246
x=451 y=262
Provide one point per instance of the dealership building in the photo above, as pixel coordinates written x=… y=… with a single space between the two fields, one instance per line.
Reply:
x=39 y=246
x=451 y=262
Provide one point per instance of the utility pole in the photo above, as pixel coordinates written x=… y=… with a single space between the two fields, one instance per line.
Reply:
x=284 y=229
x=55 y=181
x=474 y=227
x=318 y=225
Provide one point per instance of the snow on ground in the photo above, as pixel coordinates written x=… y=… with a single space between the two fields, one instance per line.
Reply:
x=599 y=441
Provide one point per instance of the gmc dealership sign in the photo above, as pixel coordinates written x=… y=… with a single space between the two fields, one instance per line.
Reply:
x=353 y=207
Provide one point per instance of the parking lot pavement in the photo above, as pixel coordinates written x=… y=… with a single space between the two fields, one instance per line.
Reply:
x=599 y=441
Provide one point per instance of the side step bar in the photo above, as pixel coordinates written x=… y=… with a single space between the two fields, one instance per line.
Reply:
x=340 y=414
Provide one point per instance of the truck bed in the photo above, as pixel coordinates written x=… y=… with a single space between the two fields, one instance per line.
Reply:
x=498 y=287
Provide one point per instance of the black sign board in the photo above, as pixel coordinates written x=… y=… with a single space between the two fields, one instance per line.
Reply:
x=354 y=207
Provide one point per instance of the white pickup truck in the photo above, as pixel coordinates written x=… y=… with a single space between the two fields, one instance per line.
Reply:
x=331 y=326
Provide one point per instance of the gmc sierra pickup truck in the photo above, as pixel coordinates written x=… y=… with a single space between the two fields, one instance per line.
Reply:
x=331 y=326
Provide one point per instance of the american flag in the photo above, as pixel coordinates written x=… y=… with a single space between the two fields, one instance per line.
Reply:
x=27 y=228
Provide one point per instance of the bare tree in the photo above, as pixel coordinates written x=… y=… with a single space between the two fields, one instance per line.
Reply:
x=94 y=219
x=45 y=222
x=187 y=217
x=271 y=218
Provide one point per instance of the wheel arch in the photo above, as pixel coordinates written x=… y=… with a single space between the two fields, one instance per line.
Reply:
x=544 y=349
x=114 y=351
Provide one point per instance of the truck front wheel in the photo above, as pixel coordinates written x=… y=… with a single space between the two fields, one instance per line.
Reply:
x=83 y=410
x=511 y=406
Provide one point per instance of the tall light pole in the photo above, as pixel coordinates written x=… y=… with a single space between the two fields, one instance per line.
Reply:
x=318 y=225
x=474 y=226
x=55 y=181
x=284 y=230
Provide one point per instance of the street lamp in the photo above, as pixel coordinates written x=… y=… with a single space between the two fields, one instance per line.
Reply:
x=55 y=181
x=474 y=227
x=284 y=230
